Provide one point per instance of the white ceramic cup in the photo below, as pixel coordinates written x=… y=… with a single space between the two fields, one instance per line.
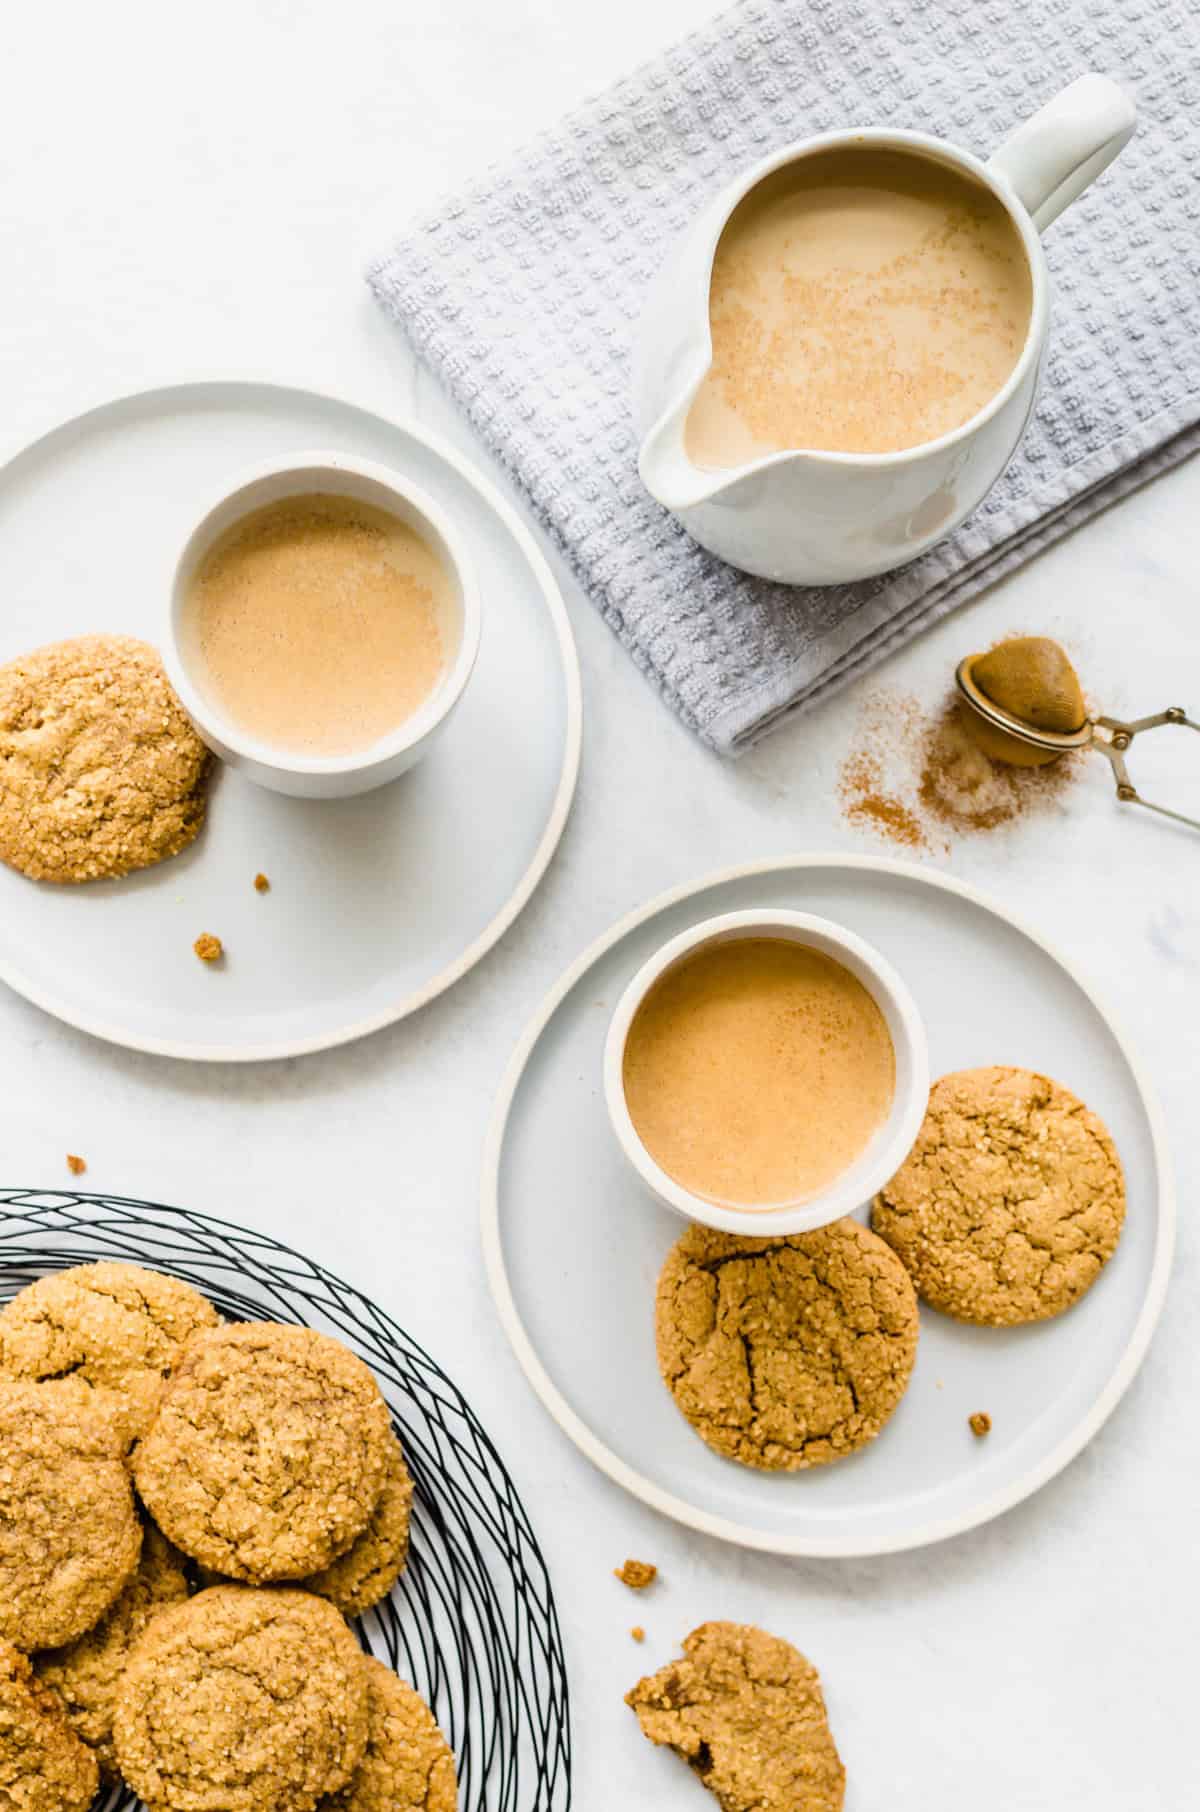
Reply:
x=283 y=770
x=892 y=1141
x=818 y=518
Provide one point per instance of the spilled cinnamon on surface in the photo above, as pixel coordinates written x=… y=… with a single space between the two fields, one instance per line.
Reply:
x=867 y=804
x=917 y=779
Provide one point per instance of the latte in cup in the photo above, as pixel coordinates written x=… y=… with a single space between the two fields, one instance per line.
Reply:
x=861 y=301
x=757 y=1070
x=319 y=624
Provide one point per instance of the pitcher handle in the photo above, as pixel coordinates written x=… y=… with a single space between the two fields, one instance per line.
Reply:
x=1050 y=159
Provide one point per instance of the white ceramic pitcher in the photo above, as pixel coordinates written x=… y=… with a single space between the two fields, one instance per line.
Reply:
x=818 y=518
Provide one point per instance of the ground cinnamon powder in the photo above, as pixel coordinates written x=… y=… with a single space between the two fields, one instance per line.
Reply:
x=915 y=777
x=866 y=803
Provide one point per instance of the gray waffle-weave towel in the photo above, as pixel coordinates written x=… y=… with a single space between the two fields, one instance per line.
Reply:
x=524 y=296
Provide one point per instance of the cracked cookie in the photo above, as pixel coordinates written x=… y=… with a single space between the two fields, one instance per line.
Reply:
x=115 y=1328
x=243 y=1700
x=1011 y=1201
x=746 y=1712
x=408 y=1766
x=368 y=1570
x=786 y=1353
x=269 y=1453
x=69 y=1534
x=43 y=1765
x=101 y=771
x=86 y=1673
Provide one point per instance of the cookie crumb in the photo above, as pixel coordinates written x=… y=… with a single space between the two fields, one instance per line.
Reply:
x=208 y=948
x=76 y=1165
x=636 y=1574
x=980 y=1422
x=261 y=884
x=638 y=1633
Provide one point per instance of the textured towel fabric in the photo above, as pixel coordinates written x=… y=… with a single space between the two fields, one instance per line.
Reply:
x=524 y=296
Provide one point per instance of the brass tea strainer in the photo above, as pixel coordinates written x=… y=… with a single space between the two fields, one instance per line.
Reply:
x=1025 y=706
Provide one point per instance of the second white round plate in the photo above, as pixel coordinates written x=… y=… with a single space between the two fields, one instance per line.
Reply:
x=377 y=903
x=574 y=1247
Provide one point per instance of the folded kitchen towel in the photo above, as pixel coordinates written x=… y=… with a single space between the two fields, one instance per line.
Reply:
x=524 y=295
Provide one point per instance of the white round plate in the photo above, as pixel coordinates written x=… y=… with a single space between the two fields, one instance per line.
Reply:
x=574 y=1247
x=377 y=903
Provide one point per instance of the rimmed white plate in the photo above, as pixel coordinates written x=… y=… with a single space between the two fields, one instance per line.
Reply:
x=378 y=903
x=573 y=1247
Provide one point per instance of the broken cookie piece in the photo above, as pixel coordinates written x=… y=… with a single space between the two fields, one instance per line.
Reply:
x=745 y=1710
x=980 y=1423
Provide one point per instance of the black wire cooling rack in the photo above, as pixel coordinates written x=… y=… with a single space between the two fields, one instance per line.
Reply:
x=472 y=1623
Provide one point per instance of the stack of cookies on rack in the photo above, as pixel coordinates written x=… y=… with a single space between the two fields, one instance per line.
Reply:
x=189 y=1512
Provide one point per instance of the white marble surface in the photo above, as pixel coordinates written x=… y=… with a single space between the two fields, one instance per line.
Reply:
x=191 y=194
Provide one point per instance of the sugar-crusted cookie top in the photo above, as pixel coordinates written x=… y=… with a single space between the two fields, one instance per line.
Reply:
x=786 y=1353
x=408 y=1766
x=69 y=1534
x=86 y=1673
x=43 y=1765
x=269 y=1452
x=370 y=1567
x=1011 y=1201
x=101 y=771
x=745 y=1710
x=116 y=1328
x=246 y=1700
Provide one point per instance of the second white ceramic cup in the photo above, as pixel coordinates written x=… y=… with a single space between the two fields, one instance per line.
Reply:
x=892 y=1141
x=331 y=776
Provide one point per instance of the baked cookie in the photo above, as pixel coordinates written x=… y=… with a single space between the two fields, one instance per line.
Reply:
x=86 y=1673
x=114 y=1328
x=269 y=1452
x=69 y=1534
x=785 y=1353
x=1011 y=1201
x=408 y=1766
x=368 y=1570
x=745 y=1710
x=243 y=1700
x=100 y=770
x=43 y=1765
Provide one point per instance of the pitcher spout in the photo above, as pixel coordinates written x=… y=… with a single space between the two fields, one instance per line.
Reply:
x=667 y=472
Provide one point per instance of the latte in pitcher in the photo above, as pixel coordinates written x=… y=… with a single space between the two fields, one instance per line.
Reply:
x=862 y=301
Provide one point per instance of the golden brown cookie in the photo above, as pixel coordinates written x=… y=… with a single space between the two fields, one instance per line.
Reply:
x=368 y=1570
x=101 y=772
x=115 y=1328
x=242 y=1700
x=43 y=1765
x=69 y=1534
x=86 y=1673
x=269 y=1452
x=1011 y=1201
x=745 y=1710
x=785 y=1353
x=408 y=1766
